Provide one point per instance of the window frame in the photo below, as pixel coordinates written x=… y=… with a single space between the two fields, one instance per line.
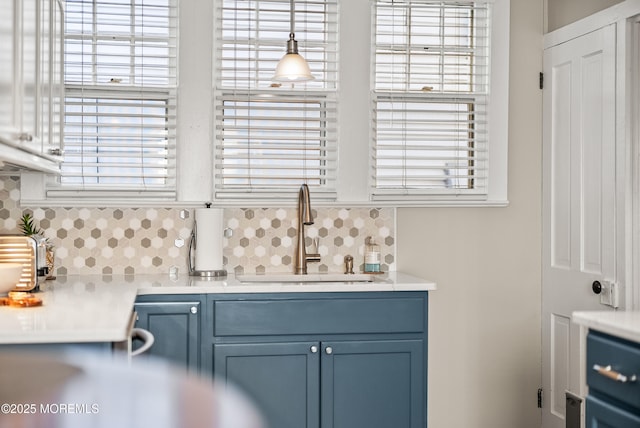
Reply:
x=115 y=99
x=195 y=122
x=243 y=141
x=491 y=180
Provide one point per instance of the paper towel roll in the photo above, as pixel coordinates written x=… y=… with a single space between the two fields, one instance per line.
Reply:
x=209 y=239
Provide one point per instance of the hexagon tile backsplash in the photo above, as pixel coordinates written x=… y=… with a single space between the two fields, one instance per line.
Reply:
x=154 y=240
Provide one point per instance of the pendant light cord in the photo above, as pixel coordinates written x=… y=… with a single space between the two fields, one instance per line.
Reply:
x=292 y=20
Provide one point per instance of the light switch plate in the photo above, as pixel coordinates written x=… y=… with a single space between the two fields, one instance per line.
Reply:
x=610 y=294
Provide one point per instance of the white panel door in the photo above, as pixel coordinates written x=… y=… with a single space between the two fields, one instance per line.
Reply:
x=579 y=206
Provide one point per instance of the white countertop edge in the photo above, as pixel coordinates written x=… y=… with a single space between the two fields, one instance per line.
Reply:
x=391 y=281
x=97 y=309
x=623 y=324
x=67 y=337
x=281 y=288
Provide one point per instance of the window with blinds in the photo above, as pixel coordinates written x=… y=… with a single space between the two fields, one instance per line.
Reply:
x=120 y=96
x=270 y=137
x=430 y=97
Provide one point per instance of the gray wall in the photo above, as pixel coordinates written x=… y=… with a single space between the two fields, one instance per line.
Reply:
x=484 y=345
x=562 y=12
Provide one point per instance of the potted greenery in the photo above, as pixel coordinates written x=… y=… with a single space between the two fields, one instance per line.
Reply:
x=29 y=228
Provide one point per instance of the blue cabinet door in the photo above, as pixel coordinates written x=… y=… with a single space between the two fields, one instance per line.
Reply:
x=176 y=330
x=601 y=414
x=282 y=379
x=373 y=384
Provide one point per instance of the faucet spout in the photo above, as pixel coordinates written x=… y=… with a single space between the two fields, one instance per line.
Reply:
x=304 y=205
x=305 y=217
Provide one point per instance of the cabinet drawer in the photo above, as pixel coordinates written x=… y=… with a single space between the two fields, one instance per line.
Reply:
x=623 y=357
x=602 y=414
x=319 y=316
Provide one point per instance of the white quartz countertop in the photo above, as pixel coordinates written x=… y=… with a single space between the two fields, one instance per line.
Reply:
x=72 y=311
x=624 y=324
x=392 y=281
x=88 y=308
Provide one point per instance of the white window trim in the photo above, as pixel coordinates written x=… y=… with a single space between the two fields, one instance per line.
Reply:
x=354 y=181
x=238 y=145
x=499 y=105
x=195 y=118
x=193 y=125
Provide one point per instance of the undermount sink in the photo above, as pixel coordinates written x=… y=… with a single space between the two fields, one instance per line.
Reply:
x=311 y=277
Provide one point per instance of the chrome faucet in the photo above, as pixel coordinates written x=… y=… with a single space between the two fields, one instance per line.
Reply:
x=304 y=217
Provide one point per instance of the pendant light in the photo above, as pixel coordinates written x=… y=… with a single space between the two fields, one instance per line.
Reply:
x=292 y=67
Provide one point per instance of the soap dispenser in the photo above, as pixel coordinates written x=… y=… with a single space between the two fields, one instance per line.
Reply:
x=372 y=256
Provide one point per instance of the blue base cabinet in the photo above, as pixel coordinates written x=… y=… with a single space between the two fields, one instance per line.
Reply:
x=602 y=414
x=281 y=377
x=372 y=384
x=612 y=403
x=341 y=384
x=175 y=322
x=338 y=360
x=307 y=360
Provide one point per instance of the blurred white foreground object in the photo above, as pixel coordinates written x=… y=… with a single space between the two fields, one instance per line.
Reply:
x=80 y=389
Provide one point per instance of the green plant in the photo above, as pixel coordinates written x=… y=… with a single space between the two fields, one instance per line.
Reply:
x=29 y=227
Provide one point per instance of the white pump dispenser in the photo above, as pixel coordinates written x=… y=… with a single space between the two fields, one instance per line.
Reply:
x=372 y=256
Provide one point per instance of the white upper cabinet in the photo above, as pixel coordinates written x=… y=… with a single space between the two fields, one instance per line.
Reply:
x=7 y=65
x=31 y=84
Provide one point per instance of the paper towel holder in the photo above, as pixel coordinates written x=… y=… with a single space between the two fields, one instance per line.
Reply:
x=218 y=273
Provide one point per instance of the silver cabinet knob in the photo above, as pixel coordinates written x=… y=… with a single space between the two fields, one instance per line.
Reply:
x=328 y=350
x=194 y=309
x=313 y=349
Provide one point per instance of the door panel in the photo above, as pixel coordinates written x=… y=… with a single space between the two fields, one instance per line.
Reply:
x=30 y=45
x=373 y=384
x=560 y=349
x=8 y=60
x=561 y=169
x=579 y=204
x=280 y=378
x=175 y=327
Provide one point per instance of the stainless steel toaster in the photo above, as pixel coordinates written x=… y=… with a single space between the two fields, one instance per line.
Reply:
x=31 y=251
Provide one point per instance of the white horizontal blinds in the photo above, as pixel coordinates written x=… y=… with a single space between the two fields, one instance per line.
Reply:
x=271 y=137
x=430 y=96
x=120 y=95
